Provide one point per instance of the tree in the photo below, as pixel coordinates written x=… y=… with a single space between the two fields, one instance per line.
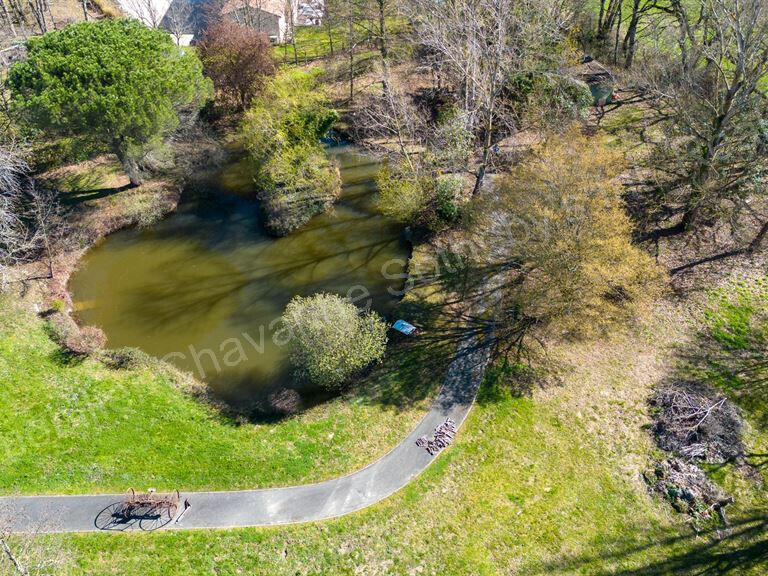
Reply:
x=8 y=18
x=31 y=217
x=14 y=241
x=179 y=20
x=29 y=553
x=479 y=45
x=556 y=242
x=331 y=339
x=238 y=59
x=282 y=132
x=710 y=95
x=114 y=84
x=148 y=12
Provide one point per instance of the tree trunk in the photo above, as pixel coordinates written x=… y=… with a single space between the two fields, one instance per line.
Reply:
x=487 y=144
x=329 y=29
x=351 y=51
x=630 y=40
x=16 y=564
x=618 y=35
x=758 y=240
x=383 y=50
x=85 y=10
x=131 y=168
x=50 y=13
x=8 y=18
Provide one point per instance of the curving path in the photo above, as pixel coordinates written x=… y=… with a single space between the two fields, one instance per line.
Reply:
x=272 y=506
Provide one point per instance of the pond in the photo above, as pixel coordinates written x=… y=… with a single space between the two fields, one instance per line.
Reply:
x=205 y=287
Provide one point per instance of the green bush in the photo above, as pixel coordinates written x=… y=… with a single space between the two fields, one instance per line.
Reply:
x=331 y=339
x=550 y=99
x=431 y=203
x=282 y=132
x=447 y=192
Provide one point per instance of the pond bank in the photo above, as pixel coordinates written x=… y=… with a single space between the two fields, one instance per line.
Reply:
x=207 y=286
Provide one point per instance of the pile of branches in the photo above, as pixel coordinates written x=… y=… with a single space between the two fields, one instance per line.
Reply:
x=690 y=491
x=693 y=421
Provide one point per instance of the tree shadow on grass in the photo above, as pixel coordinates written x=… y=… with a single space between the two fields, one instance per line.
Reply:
x=678 y=551
x=730 y=350
x=75 y=189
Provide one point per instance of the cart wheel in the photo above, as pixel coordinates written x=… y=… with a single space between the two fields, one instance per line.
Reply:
x=155 y=518
x=115 y=518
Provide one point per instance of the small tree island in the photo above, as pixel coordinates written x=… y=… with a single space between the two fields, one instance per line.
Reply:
x=331 y=339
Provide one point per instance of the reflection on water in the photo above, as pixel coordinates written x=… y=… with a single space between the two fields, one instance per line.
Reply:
x=207 y=286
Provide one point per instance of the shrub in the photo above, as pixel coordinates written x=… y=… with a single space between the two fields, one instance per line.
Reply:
x=282 y=132
x=85 y=341
x=332 y=340
x=431 y=203
x=125 y=358
x=61 y=326
x=238 y=59
x=75 y=340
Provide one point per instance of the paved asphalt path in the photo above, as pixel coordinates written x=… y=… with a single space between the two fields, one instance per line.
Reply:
x=272 y=506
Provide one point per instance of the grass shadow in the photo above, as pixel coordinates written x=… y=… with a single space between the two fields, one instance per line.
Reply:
x=729 y=350
x=735 y=551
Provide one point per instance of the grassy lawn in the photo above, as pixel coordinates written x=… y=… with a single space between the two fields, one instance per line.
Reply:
x=543 y=485
x=312 y=42
x=84 y=428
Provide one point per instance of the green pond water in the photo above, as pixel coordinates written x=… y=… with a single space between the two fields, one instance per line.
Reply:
x=205 y=287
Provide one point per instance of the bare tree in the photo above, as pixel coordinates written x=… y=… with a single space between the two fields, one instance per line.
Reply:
x=711 y=96
x=150 y=12
x=8 y=18
x=481 y=44
x=45 y=213
x=329 y=18
x=291 y=11
x=17 y=12
x=14 y=234
x=38 y=9
x=238 y=59
x=391 y=117
x=351 y=14
x=29 y=554
x=31 y=218
x=179 y=19
x=641 y=10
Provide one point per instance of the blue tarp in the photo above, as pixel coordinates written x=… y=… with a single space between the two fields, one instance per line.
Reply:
x=404 y=327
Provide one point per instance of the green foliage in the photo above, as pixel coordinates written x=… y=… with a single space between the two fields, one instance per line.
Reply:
x=448 y=189
x=282 y=132
x=430 y=202
x=550 y=100
x=331 y=339
x=116 y=84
